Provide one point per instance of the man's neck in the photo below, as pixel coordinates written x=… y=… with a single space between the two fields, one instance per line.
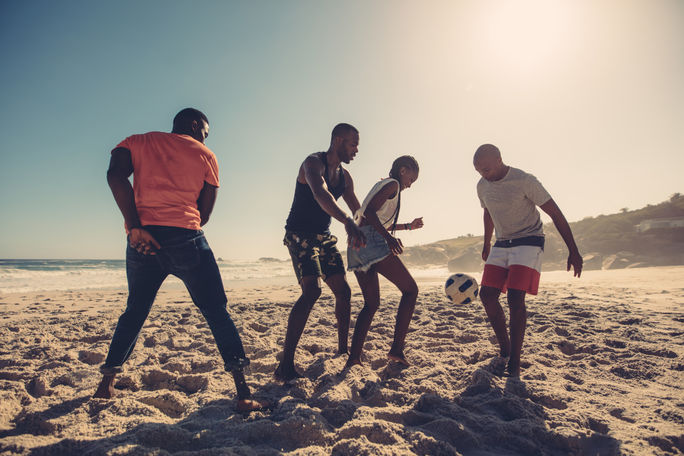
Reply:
x=333 y=159
x=504 y=171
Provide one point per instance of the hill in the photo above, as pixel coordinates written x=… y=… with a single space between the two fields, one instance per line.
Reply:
x=626 y=239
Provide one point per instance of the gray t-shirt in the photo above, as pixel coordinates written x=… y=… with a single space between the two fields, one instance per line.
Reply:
x=512 y=203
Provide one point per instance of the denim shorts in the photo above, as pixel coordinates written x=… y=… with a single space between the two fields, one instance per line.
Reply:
x=376 y=250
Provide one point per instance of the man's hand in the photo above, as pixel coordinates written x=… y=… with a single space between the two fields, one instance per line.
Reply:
x=486 y=248
x=143 y=241
x=355 y=238
x=417 y=223
x=395 y=245
x=575 y=260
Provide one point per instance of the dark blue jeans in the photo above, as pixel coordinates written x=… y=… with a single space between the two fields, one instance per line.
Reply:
x=185 y=254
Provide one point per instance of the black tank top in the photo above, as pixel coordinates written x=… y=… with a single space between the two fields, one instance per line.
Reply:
x=306 y=215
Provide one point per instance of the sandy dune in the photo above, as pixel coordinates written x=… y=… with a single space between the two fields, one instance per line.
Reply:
x=602 y=373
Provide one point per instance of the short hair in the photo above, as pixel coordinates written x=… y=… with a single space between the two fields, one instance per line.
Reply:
x=405 y=161
x=486 y=150
x=184 y=119
x=343 y=129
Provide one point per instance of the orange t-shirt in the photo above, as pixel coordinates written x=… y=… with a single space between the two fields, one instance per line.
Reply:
x=169 y=171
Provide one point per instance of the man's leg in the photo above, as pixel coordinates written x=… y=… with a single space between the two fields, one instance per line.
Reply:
x=370 y=287
x=311 y=291
x=497 y=318
x=144 y=277
x=340 y=288
x=394 y=270
x=518 y=322
x=205 y=285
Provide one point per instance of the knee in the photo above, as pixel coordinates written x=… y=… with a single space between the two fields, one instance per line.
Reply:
x=343 y=294
x=311 y=293
x=371 y=306
x=489 y=295
x=411 y=292
x=516 y=300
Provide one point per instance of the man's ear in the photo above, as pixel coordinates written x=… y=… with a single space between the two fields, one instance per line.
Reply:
x=194 y=126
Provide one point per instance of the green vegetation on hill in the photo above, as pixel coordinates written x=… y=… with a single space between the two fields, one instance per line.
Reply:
x=606 y=241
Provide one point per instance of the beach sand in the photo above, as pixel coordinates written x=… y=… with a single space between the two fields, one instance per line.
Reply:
x=603 y=366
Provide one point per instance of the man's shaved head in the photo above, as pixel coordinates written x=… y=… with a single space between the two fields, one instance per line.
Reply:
x=487 y=162
x=486 y=151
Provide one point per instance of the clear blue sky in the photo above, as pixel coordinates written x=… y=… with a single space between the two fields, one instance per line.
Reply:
x=587 y=95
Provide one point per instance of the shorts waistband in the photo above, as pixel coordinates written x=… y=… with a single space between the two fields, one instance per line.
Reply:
x=534 y=241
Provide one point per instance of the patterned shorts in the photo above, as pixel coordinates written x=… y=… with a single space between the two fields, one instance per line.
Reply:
x=314 y=254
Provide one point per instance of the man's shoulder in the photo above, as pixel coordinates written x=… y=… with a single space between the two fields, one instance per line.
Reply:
x=137 y=138
x=314 y=160
x=524 y=176
x=520 y=173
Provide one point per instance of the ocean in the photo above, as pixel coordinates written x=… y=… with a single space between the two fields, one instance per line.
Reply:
x=22 y=276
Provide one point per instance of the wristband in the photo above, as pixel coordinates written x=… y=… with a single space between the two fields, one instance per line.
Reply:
x=407 y=226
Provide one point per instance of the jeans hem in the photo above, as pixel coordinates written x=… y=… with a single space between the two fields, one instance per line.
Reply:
x=111 y=370
x=238 y=364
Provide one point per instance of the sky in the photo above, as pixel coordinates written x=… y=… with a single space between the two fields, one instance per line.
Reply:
x=587 y=95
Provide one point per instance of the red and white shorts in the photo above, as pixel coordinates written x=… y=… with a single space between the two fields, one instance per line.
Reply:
x=513 y=267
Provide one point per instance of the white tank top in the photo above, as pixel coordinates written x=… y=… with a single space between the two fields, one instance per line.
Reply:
x=387 y=211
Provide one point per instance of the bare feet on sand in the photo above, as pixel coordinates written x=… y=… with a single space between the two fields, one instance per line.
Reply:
x=252 y=405
x=105 y=390
x=352 y=362
x=512 y=370
x=398 y=357
x=286 y=373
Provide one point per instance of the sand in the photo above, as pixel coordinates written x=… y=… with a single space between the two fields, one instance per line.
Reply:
x=603 y=366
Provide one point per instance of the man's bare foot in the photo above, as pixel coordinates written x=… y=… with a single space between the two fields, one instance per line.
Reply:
x=286 y=374
x=352 y=362
x=398 y=357
x=252 y=405
x=512 y=370
x=105 y=390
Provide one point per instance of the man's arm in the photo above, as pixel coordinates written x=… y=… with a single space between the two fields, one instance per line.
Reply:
x=488 y=231
x=349 y=195
x=205 y=202
x=120 y=169
x=313 y=174
x=574 y=257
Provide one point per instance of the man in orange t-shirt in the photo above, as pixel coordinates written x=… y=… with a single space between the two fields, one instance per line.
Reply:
x=175 y=177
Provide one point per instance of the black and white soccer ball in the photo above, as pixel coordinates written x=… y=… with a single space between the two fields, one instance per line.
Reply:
x=461 y=288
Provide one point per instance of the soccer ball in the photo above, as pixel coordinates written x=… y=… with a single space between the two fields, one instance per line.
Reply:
x=461 y=288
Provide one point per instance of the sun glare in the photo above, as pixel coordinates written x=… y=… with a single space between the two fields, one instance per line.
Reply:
x=524 y=37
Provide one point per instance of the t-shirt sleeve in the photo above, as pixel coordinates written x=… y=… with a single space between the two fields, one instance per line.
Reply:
x=211 y=176
x=479 y=195
x=535 y=191
x=127 y=143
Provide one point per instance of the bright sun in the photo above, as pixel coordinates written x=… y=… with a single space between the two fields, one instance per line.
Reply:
x=523 y=36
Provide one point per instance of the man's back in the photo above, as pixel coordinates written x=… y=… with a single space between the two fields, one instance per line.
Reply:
x=169 y=172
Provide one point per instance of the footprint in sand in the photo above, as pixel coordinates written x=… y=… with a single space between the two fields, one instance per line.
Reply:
x=37 y=387
x=193 y=383
x=158 y=379
x=258 y=327
x=178 y=367
x=170 y=403
x=91 y=357
x=205 y=366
